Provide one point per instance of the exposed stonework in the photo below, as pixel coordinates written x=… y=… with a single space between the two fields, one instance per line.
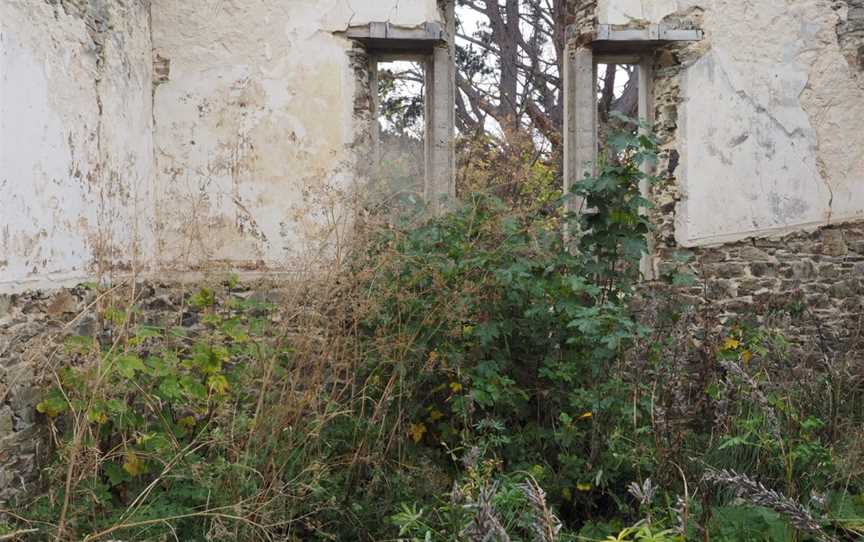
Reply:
x=582 y=16
x=364 y=106
x=817 y=279
x=757 y=124
x=30 y=325
x=668 y=63
x=33 y=328
x=161 y=70
x=850 y=32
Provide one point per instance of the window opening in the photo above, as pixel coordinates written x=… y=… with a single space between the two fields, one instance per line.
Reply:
x=623 y=87
x=431 y=47
x=618 y=93
x=400 y=131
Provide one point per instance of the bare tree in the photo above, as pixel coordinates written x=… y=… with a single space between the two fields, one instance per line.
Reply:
x=510 y=57
x=509 y=66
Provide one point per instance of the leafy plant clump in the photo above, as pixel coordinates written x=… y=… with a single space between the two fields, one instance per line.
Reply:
x=480 y=376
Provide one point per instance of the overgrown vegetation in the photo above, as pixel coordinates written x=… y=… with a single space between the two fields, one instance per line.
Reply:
x=479 y=376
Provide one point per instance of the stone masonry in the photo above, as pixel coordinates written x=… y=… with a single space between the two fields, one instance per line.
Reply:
x=817 y=278
x=33 y=328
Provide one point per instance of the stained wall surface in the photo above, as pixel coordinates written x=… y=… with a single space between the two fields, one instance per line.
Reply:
x=75 y=139
x=145 y=136
x=257 y=125
x=770 y=114
x=247 y=153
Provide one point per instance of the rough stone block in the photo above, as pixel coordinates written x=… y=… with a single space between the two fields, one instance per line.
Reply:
x=761 y=269
x=6 y=423
x=833 y=243
x=727 y=270
x=754 y=254
x=62 y=303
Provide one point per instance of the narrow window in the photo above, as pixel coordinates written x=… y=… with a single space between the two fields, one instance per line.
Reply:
x=401 y=130
x=413 y=83
x=623 y=87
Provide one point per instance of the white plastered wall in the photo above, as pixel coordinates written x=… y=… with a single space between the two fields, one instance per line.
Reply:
x=770 y=125
x=254 y=130
x=255 y=126
x=75 y=142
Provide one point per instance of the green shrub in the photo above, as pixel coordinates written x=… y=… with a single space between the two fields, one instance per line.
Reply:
x=479 y=374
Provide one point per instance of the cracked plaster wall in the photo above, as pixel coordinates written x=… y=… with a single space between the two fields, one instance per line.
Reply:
x=75 y=138
x=156 y=134
x=257 y=125
x=151 y=135
x=769 y=113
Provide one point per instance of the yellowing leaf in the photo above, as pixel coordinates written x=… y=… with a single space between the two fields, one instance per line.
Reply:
x=416 y=431
x=433 y=356
x=746 y=356
x=187 y=421
x=218 y=384
x=54 y=404
x=133 y=464
x=435 y=415
x=97 y=416
x=455 y=387
x=584 y=487
x=731 y=344
x=586 y=416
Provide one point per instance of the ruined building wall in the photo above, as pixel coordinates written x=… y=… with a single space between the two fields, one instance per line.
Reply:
x=762 y=174
x=764 y=115
x=75 y=139
x=145 y=136
x=257 y=125
x=139 y=137
x=76 y=162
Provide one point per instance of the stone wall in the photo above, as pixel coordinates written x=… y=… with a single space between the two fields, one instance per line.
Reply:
x=151 y=135
x=767 y=114
x=142 y=137
x=759 y=179
x=817 y=278
x=582 y=17
x=33 y=328
x=850 y=32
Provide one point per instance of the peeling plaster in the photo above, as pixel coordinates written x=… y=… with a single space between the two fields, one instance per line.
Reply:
x=624 y=12
x=150 y=135
x=70 y=177
x=776 y=70
x=172 y=134
x=769 y=124
x=256 y=125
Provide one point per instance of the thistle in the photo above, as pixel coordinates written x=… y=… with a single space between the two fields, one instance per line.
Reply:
x=756 y=391
x=644 y=494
